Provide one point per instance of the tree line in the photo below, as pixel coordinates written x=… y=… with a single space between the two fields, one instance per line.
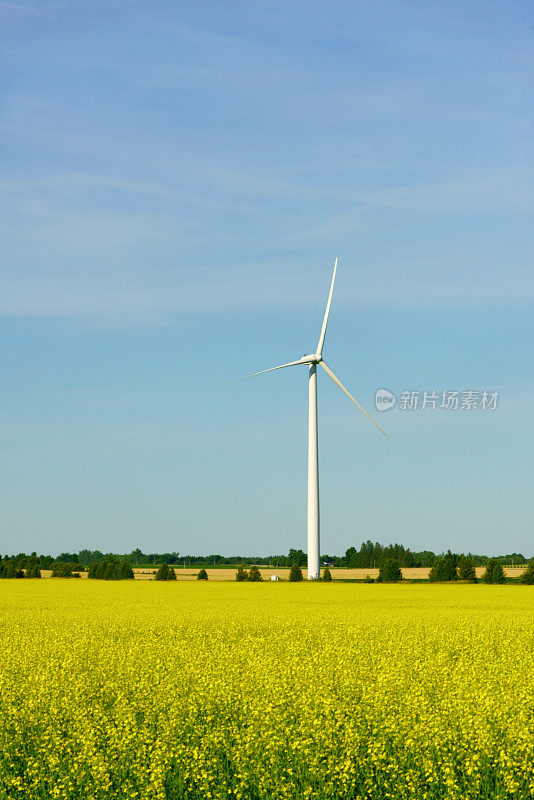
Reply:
x=454 y=567
x=111 y=570
x=369 y=555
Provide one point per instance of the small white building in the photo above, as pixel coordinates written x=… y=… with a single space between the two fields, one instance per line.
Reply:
x=275 y=578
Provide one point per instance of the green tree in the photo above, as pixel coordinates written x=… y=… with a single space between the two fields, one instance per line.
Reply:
x=162 y=573
x=61 y=569
x=33 y=571
x=126 y=572
x=295 y=574
x=202 y=575
x=241 y=574
x=93 y=571
x=165 y=573
x=389 y=571
x=8 y=570
x=297 y=557
x=327 y=575
x=466 y=569
x=444 y=568
x=528 y=575
x=111 y=570
x=254 y=575
x=408 y=559
x=494 y=572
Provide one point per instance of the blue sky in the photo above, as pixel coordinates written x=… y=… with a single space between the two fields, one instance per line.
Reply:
x=176 y=180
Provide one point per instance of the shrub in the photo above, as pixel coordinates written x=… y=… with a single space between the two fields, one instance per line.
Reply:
x=368 y=579
x=295 y=574
x=162 y=574
x=327 y=575
x=390 y=571
x=62 y=569
x=166 y=573
x=241 y=574
x=466 y=569
x=202 y=575
x=528 y=575
x=254 y=574
x=494 y=572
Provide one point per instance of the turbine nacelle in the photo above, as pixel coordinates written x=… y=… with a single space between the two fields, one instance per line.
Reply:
x=313 y=358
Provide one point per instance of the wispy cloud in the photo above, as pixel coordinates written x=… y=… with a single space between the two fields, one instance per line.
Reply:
x=213 y=166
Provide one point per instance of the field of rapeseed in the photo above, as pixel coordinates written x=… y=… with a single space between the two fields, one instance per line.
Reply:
x=194 y=690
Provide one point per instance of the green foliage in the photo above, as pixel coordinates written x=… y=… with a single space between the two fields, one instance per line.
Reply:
x=327 y=575
x=512 y=558
x=297 y=557
x=241 y=575
x=368 y=579
x=165 y=573
x=254 y=575
x=111 y=570
x=90 y=556
x=33 y=571
x=9 y=570
x=390 y=571
x=371 y=555
x=202 y=575
x=68 y=569
x=126 y=572
x=466 y=569
x=494 y=572
x=62 y=569
x=444 y=568
x=528 y=575
x=295 y=574
x=68 y=557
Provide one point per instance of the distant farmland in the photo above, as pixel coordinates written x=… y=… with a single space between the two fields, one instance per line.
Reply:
x=228 y=573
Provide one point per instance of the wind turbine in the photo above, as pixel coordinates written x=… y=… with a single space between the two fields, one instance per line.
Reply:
x=313 y=456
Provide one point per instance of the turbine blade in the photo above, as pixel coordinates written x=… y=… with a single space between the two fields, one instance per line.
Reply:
x=338 y=382
x=291 y=364
x=326 y=313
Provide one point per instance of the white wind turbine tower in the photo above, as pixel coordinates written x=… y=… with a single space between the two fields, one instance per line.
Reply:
x=313 y=456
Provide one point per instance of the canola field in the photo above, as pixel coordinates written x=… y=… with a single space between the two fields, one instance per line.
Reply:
x=222 y=690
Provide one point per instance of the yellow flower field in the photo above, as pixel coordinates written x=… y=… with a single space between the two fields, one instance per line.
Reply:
x=216 y=690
